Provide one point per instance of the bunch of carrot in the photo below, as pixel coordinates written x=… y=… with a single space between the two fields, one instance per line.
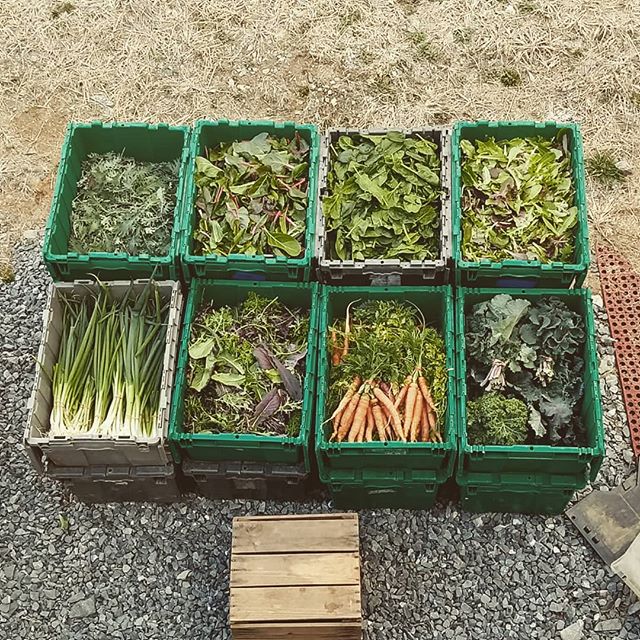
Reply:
x=371 y=410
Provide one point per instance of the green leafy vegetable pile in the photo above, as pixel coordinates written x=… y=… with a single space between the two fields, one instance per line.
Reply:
x=382 y=352
x=252 y=197
x=246 y=368
x=124 y=206
x=494 y=419
x=518 y=200
x=533 y=352
x=383 y=198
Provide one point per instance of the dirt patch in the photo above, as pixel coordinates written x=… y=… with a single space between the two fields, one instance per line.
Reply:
x=371 y=63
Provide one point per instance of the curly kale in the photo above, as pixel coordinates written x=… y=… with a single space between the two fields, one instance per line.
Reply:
x=533 y=352
x=495 y=419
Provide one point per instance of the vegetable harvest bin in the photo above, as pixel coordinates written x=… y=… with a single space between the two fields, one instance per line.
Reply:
x=143 y=142
x=385 y=474
x=90 y=451
x=389 y=271
x=499 y=477
x=520 y=273
x=207 y=134
x=263 y=450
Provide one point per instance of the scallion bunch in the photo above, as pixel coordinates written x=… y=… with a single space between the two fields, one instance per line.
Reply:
x=107 y=377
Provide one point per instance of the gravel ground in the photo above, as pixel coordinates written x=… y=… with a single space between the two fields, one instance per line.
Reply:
x=135 y=571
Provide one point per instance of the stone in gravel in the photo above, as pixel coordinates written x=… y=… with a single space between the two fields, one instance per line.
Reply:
x=634 y=608
x=557 y=607
x=614 y=624
x=83 y=608
x=183 y=575
x=573 y=631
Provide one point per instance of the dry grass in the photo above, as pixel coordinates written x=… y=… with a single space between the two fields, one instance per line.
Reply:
x=362 y=62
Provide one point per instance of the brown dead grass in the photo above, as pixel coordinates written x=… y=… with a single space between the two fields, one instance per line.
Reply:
x=361 y=63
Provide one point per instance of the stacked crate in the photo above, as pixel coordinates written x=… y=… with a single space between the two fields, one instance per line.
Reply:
x=525 y=478
x=386 y=474
x=238 y=465
x=95 y=467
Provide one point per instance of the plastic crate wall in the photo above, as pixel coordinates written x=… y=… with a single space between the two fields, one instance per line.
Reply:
x=88 y=450
x=227 y=447
x=393 y=271
x=515 y=464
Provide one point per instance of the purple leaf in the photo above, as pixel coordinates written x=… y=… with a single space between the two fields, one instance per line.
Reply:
x=267 y=406
x=263 y=357
x=289 y=380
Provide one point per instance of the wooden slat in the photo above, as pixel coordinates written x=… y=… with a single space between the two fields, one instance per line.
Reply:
x=254 y=570
x=294 y=535
x=298 y=631
x=303 y=516
x=283 y=604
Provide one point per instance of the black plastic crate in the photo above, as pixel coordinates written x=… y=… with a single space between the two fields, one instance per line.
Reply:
x=248 y=480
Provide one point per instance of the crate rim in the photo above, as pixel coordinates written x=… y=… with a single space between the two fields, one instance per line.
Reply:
x=321 y=442
x=446 y=172
x=174 y=245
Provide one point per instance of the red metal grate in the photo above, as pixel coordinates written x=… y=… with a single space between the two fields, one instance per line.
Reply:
x=621 y=295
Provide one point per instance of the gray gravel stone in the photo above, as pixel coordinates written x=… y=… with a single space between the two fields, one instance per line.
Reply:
x=573 y=631
x=435 y=574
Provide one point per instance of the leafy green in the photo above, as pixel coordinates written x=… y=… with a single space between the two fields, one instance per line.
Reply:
x=495 y=419
x=383 y=195
x=532 y=351
x=123 y=206
x=252 y=197
x=246 y=365
x=518 y=199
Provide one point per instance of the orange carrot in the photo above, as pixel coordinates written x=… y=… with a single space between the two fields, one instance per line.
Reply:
x=346 y=419
x=424 y=424
x=395 y=418
x=368 y=436
x=403 y=392
x=415 y=420
x=337 y=414
x=409 y=406
x=335 y=349
x=360 y=417
x=424 y=387
x=378 y=419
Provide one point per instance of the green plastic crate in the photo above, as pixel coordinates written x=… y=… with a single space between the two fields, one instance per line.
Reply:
x=498 y=469
x=241 y=266
x=520 y=273
x=222 y=447
x=385 y=467
x=143 y=142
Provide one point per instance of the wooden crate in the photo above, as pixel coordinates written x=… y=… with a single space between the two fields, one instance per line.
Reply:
x=296 y=577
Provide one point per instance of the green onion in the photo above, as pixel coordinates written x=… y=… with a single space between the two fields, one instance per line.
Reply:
x=107 y=378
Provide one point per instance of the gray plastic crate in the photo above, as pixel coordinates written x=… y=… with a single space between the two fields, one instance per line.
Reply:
x=119 y=484
x=387 y=272
x=88 y=451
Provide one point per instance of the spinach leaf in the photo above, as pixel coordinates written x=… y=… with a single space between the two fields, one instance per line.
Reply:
x=383 y=198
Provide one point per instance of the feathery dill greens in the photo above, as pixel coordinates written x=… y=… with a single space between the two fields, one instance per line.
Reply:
x=123 y=205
